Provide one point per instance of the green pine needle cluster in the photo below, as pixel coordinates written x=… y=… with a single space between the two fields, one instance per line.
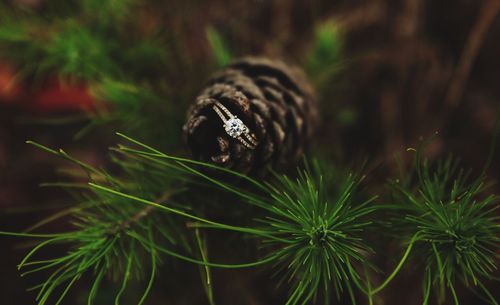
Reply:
x=455 y=227
x=321 y=223
x=310 y=227
x=111 y=237
x=99 y=246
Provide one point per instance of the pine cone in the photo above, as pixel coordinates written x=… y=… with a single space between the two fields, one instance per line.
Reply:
x=273 y=101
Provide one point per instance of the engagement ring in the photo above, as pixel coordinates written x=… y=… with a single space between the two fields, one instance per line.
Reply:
x=235 y=127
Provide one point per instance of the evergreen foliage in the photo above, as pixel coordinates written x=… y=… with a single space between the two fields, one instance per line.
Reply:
x=454 y=224
x=309 y=226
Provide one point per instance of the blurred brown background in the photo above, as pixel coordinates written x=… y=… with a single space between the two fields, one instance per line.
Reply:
x=411 y=68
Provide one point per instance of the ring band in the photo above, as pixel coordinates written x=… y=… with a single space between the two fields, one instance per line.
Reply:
x=234 y=127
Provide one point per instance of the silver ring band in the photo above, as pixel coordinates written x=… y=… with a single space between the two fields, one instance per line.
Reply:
x=234 y=127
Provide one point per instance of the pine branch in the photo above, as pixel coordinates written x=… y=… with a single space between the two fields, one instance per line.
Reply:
x=113 y=233
x=312 y=225
x=136 y=218
x=108 y=236
x=455 y=221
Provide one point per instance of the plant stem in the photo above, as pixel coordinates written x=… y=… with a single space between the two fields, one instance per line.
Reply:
x=134 y=219
x=35 y=235
x=187 y=215
x=153 y=271
x=369 y=287
x=203 y=263
x=398 y=267
x=206 y=276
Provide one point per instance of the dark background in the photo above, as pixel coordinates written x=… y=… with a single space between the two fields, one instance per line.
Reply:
x=410 y=68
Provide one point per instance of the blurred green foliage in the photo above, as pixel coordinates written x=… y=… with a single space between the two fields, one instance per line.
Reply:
x=99 y=44
x=324 y=59
x=108 y=14
x=219 y=47
x=76 y=52
x=311 y=223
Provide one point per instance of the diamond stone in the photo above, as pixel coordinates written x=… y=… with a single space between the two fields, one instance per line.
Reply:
x=235 y=127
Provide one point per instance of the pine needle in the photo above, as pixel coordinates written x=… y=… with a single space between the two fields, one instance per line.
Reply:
x=456 y=224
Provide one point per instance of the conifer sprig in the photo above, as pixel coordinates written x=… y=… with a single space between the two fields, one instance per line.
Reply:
x=323 y=220
x=123 y=225
x=456 y=224
x=110 y=237
x=312 y=225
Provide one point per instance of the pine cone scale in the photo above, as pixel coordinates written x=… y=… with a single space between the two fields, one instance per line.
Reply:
x=274 y=101
x=256 y=69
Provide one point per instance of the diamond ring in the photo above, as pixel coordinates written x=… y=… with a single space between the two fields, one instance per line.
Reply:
x=234 y=127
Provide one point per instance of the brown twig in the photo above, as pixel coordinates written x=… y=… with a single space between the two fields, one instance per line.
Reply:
x=487 y=14
x=139 y=215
